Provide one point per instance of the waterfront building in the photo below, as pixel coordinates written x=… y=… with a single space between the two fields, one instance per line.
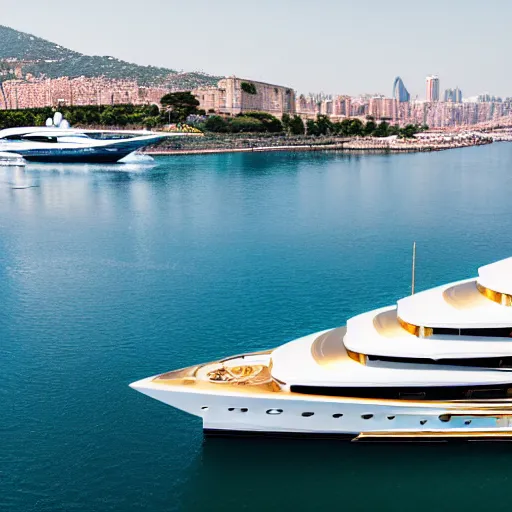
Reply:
x=432 y=88
x=234 y=96
x=308 y=107
x=400 y=93
x=380 y=107
x=342 y=106
x=39 y=93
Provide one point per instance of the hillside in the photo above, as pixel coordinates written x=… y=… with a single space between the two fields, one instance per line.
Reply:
x=44 y=58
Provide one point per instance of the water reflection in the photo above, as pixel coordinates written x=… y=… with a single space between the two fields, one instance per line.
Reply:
x=263 y=473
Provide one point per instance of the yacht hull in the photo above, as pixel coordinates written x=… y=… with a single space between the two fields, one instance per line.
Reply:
x=294 y=415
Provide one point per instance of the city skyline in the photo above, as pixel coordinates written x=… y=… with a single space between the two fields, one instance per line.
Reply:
x=313 y=49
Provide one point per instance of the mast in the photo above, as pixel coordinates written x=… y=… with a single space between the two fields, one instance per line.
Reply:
x=413 y=268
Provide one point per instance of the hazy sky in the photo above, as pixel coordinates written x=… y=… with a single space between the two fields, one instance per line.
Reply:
x=335 y=46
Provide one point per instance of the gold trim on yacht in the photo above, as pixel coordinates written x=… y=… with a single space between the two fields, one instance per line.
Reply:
x=501 y=298
x=358 y=358
x=416 y=330
x=436 y=434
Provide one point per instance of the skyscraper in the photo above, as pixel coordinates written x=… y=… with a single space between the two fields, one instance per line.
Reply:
x=432 y=88
x=453 y=95
x=449 y=95
x=400 y=93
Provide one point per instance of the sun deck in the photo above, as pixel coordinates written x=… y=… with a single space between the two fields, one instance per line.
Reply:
x=459 y=305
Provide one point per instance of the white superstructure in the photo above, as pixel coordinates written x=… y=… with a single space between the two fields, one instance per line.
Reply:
x=438 y=365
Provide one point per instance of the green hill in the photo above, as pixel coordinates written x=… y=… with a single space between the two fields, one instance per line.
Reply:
x=44 y=58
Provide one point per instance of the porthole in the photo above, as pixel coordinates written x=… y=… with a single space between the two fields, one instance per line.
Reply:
x=337 y=416
x=367 y=416
x=391 y=418
x=467 y=422
x=307 y=414
x=231 y=409
x=445 y=418
x=423 y=422
x=244 y=410
x=274 y=412
x=204 y=408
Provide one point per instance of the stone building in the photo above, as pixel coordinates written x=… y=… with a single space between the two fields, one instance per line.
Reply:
x=234 y=96
x=33 y=93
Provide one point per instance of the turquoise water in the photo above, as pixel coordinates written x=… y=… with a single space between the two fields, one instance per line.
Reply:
x=108 y=276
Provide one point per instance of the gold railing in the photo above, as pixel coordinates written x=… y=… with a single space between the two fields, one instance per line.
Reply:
x=501 y=298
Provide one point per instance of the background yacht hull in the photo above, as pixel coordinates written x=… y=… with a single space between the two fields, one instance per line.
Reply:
x=96 y=157
x=100 y=152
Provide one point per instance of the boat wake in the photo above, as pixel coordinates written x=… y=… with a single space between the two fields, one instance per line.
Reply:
x=137 y=158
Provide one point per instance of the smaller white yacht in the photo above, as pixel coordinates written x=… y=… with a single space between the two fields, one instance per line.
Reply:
x=60 y=145
x=436 y=366
x=11 y=160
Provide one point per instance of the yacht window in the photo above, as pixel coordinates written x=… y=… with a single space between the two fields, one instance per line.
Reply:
x=40 y=138
x=446 y=331
x=485 y=393
x=480 y=362
x=275 y=411
x=436 y=393
x=367 y=416
x=413 y=396
x=337 y=416
x=308 y=414
x=499 y=332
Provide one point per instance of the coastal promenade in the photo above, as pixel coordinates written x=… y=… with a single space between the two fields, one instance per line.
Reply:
x=426 y=143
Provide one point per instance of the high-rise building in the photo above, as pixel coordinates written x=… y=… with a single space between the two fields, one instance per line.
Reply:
x=453 y=95
x=400 y=93
x=449 y=95
x=432 y=88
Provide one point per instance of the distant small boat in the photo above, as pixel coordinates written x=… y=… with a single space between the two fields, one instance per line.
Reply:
x=11 y=160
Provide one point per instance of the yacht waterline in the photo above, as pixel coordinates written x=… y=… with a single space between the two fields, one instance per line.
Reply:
x=437 y=366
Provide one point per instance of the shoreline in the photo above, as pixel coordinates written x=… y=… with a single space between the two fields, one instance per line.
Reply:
x=349 y=147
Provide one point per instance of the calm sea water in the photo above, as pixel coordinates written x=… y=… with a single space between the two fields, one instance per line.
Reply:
x=111 y=274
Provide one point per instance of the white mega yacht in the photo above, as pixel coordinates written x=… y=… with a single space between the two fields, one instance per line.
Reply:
x=69 y=145
x=436 y=366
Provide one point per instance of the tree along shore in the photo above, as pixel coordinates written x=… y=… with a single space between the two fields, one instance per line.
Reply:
x=180 y=111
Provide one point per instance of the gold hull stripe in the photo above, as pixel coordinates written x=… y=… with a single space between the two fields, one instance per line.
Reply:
x=418 y=434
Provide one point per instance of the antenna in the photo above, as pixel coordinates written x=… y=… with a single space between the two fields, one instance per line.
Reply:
x=413 y=267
